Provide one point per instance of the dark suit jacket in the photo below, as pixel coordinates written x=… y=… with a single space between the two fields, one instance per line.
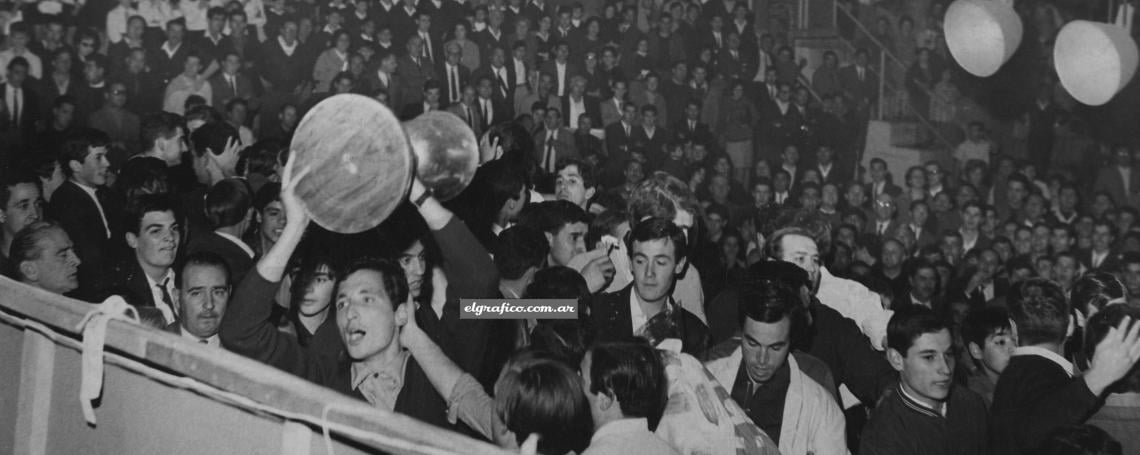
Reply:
x=209 y=50
x=29 y=114
x=1111 y=263
x=238 y=260
x=498 y=93
x=371 y=84
x=683 y=133
x=859 y=90
x=500 y=112
x=1033 y=397
x=284 y=72
x=168 y=67
x=593 y=109
x=222 y=92
x=445 y=97
x=551 y=68
x=613 y=322
x=654 y=146
x=488 y=43
x=412 y=77
x=144 y=92
x=564 y=146
x=1109 y=180
x=74 y=209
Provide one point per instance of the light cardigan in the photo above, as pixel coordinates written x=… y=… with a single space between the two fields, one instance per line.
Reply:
x=812 y=421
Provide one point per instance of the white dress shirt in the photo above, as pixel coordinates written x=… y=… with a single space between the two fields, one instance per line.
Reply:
x=1052 y=356
x=169 y=313
x=213 y=341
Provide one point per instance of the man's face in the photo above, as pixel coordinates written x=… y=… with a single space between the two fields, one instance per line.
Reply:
x=780 y=182
x=117 y=95
x=952 y=247
x=1034 y=207
x=878 y=171
x=170 y=150
x=996 y=352
x=802 y=252
x=93 y=171
x=893 y=254
x=1132 y=278
x=1061 y=240
x=654 y=268
x=204 y=295
x=366 y=316
x=1123 y=157
x=924 y=283
x=414 y=262
x=1016 y=193
x=174 y=33
x=629 y=114
x=715 y=223
x=765 y=347
x=1065 y=271
x=156 y=244
x=1102 y=238
x=761 y=195
x=562 y=52
x=469 y=95
x=648 y=119
x=485 y=89
x=570 y=186
x=971 y=218
x=272 y=222
x=17 y=75
x=432 y=96
x=884 y=207
x=57 y=268
x=855 y=195
x=23 y=207
x=926 y=367
x=318 y=293
x=92 y=72
x=809 y=199
x=570 y=241
x=553 y=120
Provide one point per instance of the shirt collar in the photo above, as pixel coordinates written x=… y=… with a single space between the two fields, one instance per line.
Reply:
x=237 y=242
x=1052 y=356
x=620 y=427
x=213 y=341
x=389 y=377
x=918 y=406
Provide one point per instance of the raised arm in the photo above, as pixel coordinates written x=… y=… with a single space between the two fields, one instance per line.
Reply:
x=246 y=327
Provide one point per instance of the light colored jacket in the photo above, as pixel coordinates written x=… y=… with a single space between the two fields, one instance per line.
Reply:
x=812 y=421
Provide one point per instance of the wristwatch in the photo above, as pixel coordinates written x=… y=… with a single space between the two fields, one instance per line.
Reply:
x=423 y=197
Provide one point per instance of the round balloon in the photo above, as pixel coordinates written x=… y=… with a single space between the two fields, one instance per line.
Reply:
x=447 y=153
x=361 y=163
x=981 y=34
x=1094 y=60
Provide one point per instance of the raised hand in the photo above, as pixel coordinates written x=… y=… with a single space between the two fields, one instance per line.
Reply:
x=1115 y=356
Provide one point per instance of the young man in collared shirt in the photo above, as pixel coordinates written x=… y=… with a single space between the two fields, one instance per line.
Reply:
x=926 y=413
x=1039 y=391
x=625 y=385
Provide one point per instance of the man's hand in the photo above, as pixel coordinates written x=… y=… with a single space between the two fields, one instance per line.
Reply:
x=411 y=335
x=295 y=213
x=596 y=267
x=1115 y=356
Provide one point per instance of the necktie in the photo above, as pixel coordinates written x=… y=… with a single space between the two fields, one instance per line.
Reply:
x=169 y=302
x=627 y=131
x=548 y=163
x=717 y=36
x=467 y=112
x=104 y=203
x=16 y=107
x=486 y=114
x=203 y=341
x=692 y=126
x=427 y=47
x=502 y=83
x=454 y=74
x=233 y=84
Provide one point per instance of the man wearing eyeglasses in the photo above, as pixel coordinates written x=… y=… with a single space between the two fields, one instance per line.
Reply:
x=115 y=120
x=203 y=294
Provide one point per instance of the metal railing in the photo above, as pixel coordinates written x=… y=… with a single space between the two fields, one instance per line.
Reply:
x=884 y=56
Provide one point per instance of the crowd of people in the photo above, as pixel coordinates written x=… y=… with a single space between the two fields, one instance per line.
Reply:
x=665 y=165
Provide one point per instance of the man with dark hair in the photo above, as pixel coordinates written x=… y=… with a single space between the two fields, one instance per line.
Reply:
x=1119 y=415
x=1039 y=390
x=657 y=250
x=21 y=204
x=574 y=181
x=768 y=383
x=204 y=292
x=553 y=143
x=21 y=106
x=989 y=343
x=217 y=147
x=414 y=70
x=922 y=278
x=44 y=257
x=147 y=277
x=627 y=389
x=1102 y=255
x=231 y=82
x=520 y=253
x=84 y=207
x=371 y=309
x=926 y=412
x=229 y=212
x=168 y=60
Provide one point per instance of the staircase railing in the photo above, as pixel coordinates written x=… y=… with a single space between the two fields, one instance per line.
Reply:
x=885 y=56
